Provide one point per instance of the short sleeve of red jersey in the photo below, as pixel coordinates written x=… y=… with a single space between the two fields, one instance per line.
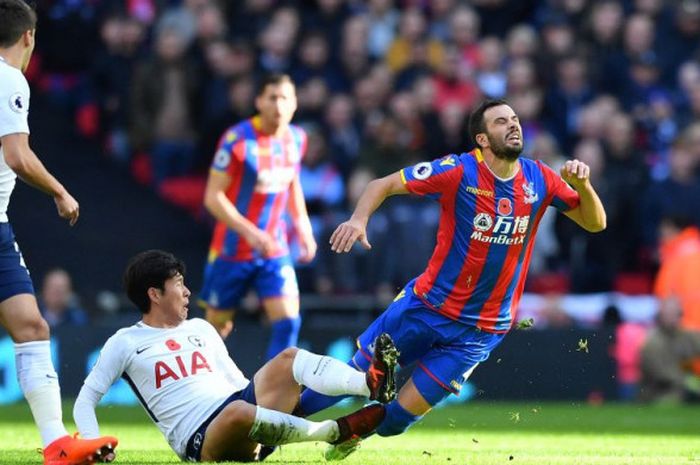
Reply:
x=230 y=152
x=431 y=179
x=563 y=196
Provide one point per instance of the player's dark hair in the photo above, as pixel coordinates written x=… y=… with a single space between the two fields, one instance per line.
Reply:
x=149 y=269
x=16 y=17
x=476 y=120
x=271 y=79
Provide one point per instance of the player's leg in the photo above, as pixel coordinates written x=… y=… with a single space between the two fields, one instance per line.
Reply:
x=38 y=380
x=223 y=286
x=35 y=371
x=441 y=372
x=221 y=319
x=277 y=383
x=277 y=287
x=401 y=321
x=238 y=429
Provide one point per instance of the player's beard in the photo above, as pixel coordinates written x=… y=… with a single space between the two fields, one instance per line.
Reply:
x=502 y=150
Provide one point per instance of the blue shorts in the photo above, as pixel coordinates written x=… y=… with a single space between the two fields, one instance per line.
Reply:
x=14 y=276
x=444 y=350
x=193 y=451
x=226 y=282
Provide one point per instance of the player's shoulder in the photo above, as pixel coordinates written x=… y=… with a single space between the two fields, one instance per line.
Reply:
x=235 y=133
x=123 y=338
x=11 y=77
x=198 y=323
x=297 y=131
x=531 y=166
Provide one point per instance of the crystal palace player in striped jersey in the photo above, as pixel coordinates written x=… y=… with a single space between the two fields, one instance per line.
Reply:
x=452 y=316
x=254 y=181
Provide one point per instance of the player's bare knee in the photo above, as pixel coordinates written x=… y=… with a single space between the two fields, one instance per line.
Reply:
x=239 y=413
x=288 y=354
x=34 y=329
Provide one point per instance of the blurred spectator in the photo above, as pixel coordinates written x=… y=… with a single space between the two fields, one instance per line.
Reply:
x=671 y=356
x=412 y=32
x=451 y=85
x=385 y=154
x=566 y=98
x=111 y=77
x=343 y=134
x=464 y=32
x=679 y=274
x=441 y=12
x=324 y=191
x=667 y=354
x=165 y=104
x=522 y=42
x=678 y=194
x=383 y=20
x=59 y=305
x=313 y=60
x=491 y=77
x=630 y=337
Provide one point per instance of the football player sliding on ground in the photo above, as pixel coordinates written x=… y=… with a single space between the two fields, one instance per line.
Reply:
x=207 y=410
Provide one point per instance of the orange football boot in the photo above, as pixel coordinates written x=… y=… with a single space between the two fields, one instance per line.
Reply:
x=72 y=450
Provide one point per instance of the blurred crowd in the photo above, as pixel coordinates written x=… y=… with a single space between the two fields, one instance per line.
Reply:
x=383 y=84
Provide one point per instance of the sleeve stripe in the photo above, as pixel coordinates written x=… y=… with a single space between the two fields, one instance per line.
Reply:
x=403 y=176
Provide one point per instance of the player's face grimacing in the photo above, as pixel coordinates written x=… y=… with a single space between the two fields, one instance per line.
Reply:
x=277 y=104
x=175 y=297
x=504 y=132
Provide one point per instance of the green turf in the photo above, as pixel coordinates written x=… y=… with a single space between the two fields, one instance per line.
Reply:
x=474 y=434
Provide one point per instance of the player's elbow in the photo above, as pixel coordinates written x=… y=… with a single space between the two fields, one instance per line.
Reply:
x=211 y=201
x=597 y=226
x=14 y=159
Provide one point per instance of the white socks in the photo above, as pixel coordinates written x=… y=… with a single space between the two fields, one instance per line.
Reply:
x=274 y=428
x=327 y=375
x=39 y=383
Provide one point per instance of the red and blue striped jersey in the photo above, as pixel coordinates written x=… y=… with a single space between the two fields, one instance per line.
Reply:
x=262 y=168
x=487 y=230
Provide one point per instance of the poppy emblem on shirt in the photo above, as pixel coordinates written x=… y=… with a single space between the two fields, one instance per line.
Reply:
x=505 y=207
x=17 y=103
x=172 y=344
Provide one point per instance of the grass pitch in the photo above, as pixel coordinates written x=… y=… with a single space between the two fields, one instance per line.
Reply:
x=474 y=434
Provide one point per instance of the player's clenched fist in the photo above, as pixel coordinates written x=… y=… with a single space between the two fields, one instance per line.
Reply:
x=261 y=241
x=576 y=173
x=346 y=234
x=67 y=207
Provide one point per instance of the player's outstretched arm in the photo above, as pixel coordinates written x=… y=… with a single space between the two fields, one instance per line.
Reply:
x=222 y=209
x=86 y=419
x=24 y=162
x=349 y=232
x=590 y=214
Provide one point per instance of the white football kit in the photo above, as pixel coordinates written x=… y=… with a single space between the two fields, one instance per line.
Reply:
x=14 y=111
x=180 y=375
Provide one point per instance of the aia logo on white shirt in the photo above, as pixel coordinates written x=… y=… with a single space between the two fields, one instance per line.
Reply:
x=182 y=368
